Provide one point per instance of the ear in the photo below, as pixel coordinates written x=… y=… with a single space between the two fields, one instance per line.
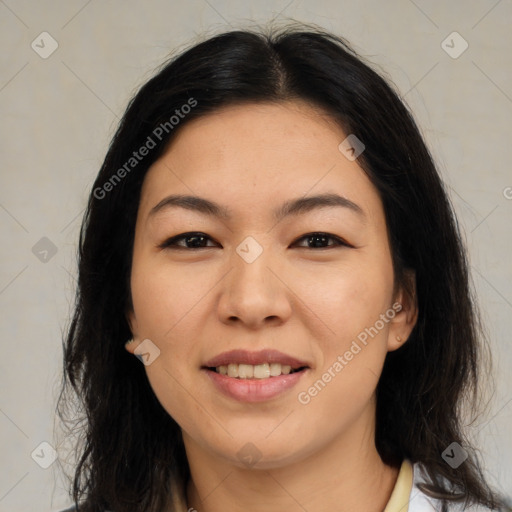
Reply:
x=405 y=306
x=132 y=322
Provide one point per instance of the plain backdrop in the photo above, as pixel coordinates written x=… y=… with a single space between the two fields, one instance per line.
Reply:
x=59 y=110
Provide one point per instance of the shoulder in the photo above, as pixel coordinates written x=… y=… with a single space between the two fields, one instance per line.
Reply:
x=420 y=502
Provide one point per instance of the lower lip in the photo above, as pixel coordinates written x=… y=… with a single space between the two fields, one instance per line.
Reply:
x=254 y=390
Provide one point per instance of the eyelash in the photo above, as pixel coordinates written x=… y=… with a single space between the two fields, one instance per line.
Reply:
x=171 y=242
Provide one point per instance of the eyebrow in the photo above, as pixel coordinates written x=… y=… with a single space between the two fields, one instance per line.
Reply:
x=297 y=206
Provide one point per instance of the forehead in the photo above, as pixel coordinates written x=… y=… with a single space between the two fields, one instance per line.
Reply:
x=250 y=153
x=271 y=124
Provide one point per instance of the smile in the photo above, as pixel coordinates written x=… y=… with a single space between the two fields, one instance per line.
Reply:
x=259 y=371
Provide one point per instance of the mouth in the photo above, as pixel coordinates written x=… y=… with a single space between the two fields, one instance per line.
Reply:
x=254 y=376
x=259 y=371
x=262 y=364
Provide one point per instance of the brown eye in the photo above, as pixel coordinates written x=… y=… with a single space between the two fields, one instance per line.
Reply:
x=321 y=241
x=196 y=240
x=187 y=241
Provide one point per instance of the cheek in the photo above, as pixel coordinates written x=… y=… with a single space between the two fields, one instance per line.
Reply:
x=349 y=300
x=163 y=298
x=345 y=299
x=352 y=354
x=167 y=305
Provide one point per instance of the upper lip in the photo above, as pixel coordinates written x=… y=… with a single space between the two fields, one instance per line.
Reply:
x=254 y=358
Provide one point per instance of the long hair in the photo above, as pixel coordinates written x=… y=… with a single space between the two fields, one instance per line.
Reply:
x=131 y=449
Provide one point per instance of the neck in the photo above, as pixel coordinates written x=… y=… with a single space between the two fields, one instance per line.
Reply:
x=346 y=474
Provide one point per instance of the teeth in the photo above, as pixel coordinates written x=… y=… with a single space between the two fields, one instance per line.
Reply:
x=249 y=371
x=232 y=370
x=275 y=369
x=262 y=371
x=245 y=371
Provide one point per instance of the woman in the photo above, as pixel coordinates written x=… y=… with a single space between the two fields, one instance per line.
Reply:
x=268 y=235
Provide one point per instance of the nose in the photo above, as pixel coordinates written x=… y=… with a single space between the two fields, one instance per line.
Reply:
x=255 y=293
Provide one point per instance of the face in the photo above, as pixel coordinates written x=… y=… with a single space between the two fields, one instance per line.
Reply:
x=290 y=267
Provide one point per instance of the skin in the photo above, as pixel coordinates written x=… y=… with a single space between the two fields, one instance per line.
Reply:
x=308 y=302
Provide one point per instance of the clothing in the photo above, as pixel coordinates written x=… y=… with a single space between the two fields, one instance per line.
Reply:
x=405 y=497
x=399 y=499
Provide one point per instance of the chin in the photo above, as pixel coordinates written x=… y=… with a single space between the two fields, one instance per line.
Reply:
x=262 y=454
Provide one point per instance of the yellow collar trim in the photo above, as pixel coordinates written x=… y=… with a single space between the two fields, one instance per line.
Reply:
x=399 y=500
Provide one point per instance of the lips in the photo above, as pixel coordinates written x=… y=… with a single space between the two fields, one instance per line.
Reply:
x=254 y=358
x=262 y=387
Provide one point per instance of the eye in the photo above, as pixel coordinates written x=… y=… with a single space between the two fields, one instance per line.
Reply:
x=320 y=241
x=195 y=240
x=190 y=241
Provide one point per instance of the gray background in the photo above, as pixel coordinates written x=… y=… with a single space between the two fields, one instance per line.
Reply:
x=59 y=113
